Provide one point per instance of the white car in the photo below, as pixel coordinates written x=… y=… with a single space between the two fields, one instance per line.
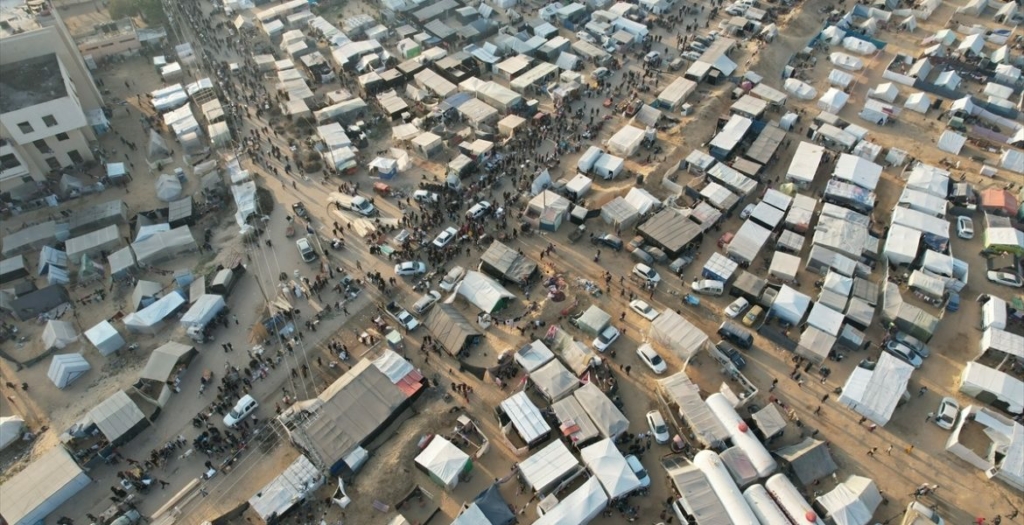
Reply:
x=904 y=353
x=736 y=308
x=945 y=417
x=747 y=211
x=645 y=310
x=407 y=268
x=453 y=277
x=605 y=339
x=478 y=210
x=1005 y=279
x=243 y=408
x=659 y=429
x=306 y=250
x=646 y=272
x=964 y=227
x=639 y=470
x=651 y=359
x=445 y=237
x=424 y=196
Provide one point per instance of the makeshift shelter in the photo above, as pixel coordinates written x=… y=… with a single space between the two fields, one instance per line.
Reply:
x=799 y=89
x=44 y=300
x=161 y=370
x=121 y=262
x=58 y=334
x=11 y=428
x=50 y=257
x=298 y=481
x=998 y=201
x=852 y=502
x=554 y=381
x=605 y=415
x=874 y=392
x=815 y=344
x=833 y=101
x=848 y=62
x=548 y=467
x=706 y=427
x=488 y=508
x=574 y=422
x=533 y=356
x=784 y=267
x=451 y=329
x=66 y=368
x=203 y=311
x=993 y=387
x=149 y=319
x=810 y=460
x=507 y=264
x=163 y=246
x=790 y=305
x=609 y=466
x=723 y=409
x=93 y=243
x=918 y=102
x=677 y=335
x=42 y=487
x=13 y=269
x=770 y=422
x=886 y=91
x=578 y=508
x=444 y=462
x=626 y=141
x=168 y=188
x=951 y=142
x=484 y=293
x=118 y=418
x=145 y=294
x=525 y=419
x=859 y=171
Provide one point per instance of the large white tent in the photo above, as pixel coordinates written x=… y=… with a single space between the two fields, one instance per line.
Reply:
x=299 y=480
x=790 y=305
x=149 y=318
x=203 y=311
x=578 y=508
x=610 y=468
x=10 y=430
x=554 y=381
x=548 y=466
x=852 y=502
x=66 y=368
x=105 y=338
x=833 y=100
x=49 y=481
x=886 y=91
x=605 y=415
x=443 y=461
x=918 y=102
x=483 y=292
x=799 y=89
x=58 y=334
x=875 y=393
x=674 y=333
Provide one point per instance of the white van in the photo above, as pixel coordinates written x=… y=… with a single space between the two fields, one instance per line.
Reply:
x=708 y=287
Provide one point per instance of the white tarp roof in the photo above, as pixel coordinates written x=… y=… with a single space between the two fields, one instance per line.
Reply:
x=547 y=466
x=610 y=468
x=1000 y=340
x=805 y=162
x=800 y=89
x=116 y=415
x=840 y=79
x=680 y=390
x=164 y=245
x=605 y=415
x=203 y=311
x=443 y=460
x=49 y=481
x=918 y=102
x=163 y=360
x=554 y=381
x=784 y=266
x=677 y=335
x=852 y=502
x=105 y=338
x=534 y=356
x=845 y=61
x=148 y=318
x=579 y=184
x=10 y=430
x=951 y=142
x=748 y=241
x=887 y=92
x=977 y=377
x=790 y=305
x=626 y=141
x=833 y=100
x=861 y=47
x=482 y=291
x=58 y=334
x=855 y=170
x=825 y=319
x=393 y=365
x=525 y=417
x=642 y=200
x=572 y=416
x=583 y=505
x=66 y=368
x=875 y=393
x=298 y=481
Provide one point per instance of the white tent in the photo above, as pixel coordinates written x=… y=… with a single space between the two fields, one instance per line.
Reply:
x=790 y=305
x=605 y=415
x=58 y=334
x=577 y=508
x=548 y=466
x=856 y=45
x=610 y=468
x=918 y=102
x=162 y=246
x=951 y=142
x=298 y=481
x=784 y=266
x=857 y=170
x=833 y=100
x=887 y=92
x=66 y=368
x=10 y=430
x=875 y=393
x=554 y=381
x=852 y=502
x=674 y=333
x=642 y=200
x=848 y=62
x=149 y=318
x=203 y=311
x=168 y=188
x=483 y=292
x=799 y=89
x=626 y=141
x=32 y=494
x=105 y=338
x=443 y=461
x=533 y=356
x=839 y=79
x=825 y=319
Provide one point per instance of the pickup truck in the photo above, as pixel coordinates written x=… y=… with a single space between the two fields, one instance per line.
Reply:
x=404 y=318
x=353 y=203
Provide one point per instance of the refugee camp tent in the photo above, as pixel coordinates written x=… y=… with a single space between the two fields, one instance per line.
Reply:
x=105 y=338
x=13 y=269
x=605 y=415
x=790 y=305
x=770 y=421
x=10 y=430
x=488 y=508
x=554 y=381
x=548 y=466
x=42 y=487
x=149 y=318
x=93 y=243
x=809 y=460
x=168 y=188
x=118 y=417
x=121 y=262
x=800 y=89
x=610 y=468
x=58 y=334
x=839 y=79
x=443 y=462
x=674 y=333
x=784 y=267
x=951 y=142
x=163 y=246
x=574 y=422
x=525 y=418
x=533 y=356
x=833 y=100
x=620 y=213
x=203 y=311
x=848 y=62
x=578 y=508
x=50 y=257
x=484 y=293
x=297 y=482
x=626 y=141
x=66 y=368
x=886 y=91
x=679 y=389
x=918 y=102
x=815 y=344
x=875 y=393
x=852 y=502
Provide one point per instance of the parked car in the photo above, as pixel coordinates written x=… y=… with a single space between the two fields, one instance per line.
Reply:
x=586 y=37
x=964 y=227
x=306 y=250
x=1005 y=279
x=914 y=343
x=479 y=210
x=445 y=237
x=752 y=315
x=651 y=358
x=646 y=272
x=904 y=353
x=404 y=269
x=732 y=354
x=708 y=287
x=453 y=277
x=425 y=196
x=645 y=310
x=636 y=243
x=601 y=73
x=605 y=339
x=424 y=303
x=736 y=308
x=609 y=240
x=639 y=470
x=945 y=416
x=243 y=408
x=747 y=211
x=692 y=56
x=659 y=429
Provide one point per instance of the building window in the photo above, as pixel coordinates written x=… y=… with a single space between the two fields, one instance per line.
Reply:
x=52 y=163
x=49 y=121
x=8 y=161
x=25 y=127
x=76 y=157
x=42 y=146
x=62 y=137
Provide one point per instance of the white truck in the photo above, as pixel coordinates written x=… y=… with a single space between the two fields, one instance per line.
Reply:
x=353 y=203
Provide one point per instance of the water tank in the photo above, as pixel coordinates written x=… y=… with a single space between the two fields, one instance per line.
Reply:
x=721 y=482
x=791 y=502
x=764 y=507
x=741 y=435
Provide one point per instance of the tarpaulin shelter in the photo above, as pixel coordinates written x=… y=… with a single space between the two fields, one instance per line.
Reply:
x=554 y=381
x=626 y=141
x=886 y=91
x=810 y=460
x=852 y=502
x=50 y=257
x=145 y=294
x=874 y=392
x=677 y=335
x=525 y=418
x=609 y=466
x=66 y=368
x=443 y=462
x=93 y=243
x=951 y=142
x=488 y=508
x=203 y=311
x=164 y=362
x=790 y=305
x=47 y=483
x=451 y=329
x=999 y=201
x=13 y=269
x=578 y=508
x=58 y=334
x=121 y=262
x=815 y=344
x=605 y=415
x=507 y=264
x=679 y=389
x=833 y=100
x=484 y=293
x=163 y=246
x=799 y=89
x=574 y=422
x=117 y=417
x=10 y=430
x=770 y=421
x=298 y=481
x=149 y=319
x=738 y=463
x=549 y=466
x=168 y=187
x=533 y=356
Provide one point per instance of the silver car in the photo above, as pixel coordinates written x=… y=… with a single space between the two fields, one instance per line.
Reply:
x=904 y=353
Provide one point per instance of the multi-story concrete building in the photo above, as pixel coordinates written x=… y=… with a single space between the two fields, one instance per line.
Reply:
x=49 y=103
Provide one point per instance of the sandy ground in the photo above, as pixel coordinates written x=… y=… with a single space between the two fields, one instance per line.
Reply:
x=383 y=481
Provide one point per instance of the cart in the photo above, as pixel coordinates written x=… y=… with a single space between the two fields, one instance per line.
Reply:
x=207 y=376
x=382 y=189
x=289 y=231
x=691 y=299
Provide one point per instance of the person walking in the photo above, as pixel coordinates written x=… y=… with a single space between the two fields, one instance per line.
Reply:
x=888 y=451
x=909 y=449
x=872 y=451
x=929 y=417
x=824 y=398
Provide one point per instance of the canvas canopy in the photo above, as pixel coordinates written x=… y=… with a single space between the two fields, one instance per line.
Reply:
x=299 y=480
x=42 y=487
x=58 y=334
x=66 y=368
x=674 y=333
x=875 y=393
x=815 y=344
x=533 y=356
x=443 y=461
x=165 y=359
x=483 y=292
x=489 y=508
x=852 y=502
x=886 y=91
x=845 y=61
x=784 y=266
x=610 y=468
x=574 y=421
x=149 y=318
x=10 y=430
x=203 y=311
x=549 y=465
x=825 y=319
x=554 y=381
x=809 y=459
x=578 y=508
x=951 y=142
x=116 y=416
x=685 y=394
x=145 y=294
x=626 y=141
x=769 y=420
x=918 y=102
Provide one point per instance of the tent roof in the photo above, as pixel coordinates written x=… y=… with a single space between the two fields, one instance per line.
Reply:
x=770 y=420
x=58 y=334
x=581 y=506
x=116 y=415
x=65 y=368
x=512 y=265
x=447 y=324
x=575 y=423
x=875 y=393
x=554 y=381
x=534 y=355
x=610 y=468
x=825 y=319
x=790 y=305
x=10 y=430
x=810 y=460
x=698 y=496
x=684 y=393
x=393 y=365
x=44 y=485
x=297 y=481
x=205 y=308
x=493 y=506
x=163 y=360
x=443 y=459
x=525 y=416
x=852 y=502
x=605 y=415
x=547 y=465
x=673 y=332
x=482 y=291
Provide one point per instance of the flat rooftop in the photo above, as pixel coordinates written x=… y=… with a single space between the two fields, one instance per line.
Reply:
x=19 y=16
x=30 y=82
